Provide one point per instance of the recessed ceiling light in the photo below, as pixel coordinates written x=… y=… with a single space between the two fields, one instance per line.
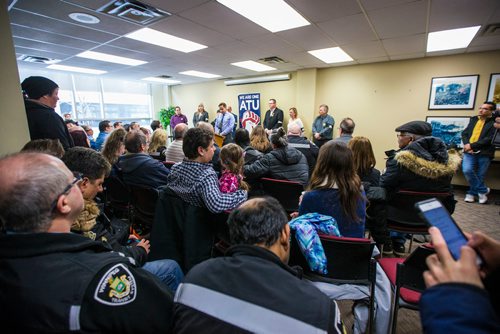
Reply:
x=84 y=18
x=110 y=58
x=75 y=69
x=164 y=40
x=273 y=15
x=451 y=39
x=200 y=74
x=162 y=80
x=331 y=55
x=254 y=66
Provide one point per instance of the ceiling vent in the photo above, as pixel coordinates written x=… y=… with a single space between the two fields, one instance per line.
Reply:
x=491 y=30
x=133 y=11
x=273 y=60
x=38 y=60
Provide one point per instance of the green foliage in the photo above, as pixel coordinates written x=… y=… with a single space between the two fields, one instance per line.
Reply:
x=165 y=115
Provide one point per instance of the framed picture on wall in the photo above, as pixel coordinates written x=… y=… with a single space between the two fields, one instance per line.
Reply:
x=449 y=129
x=494 y=89
x=453 y=92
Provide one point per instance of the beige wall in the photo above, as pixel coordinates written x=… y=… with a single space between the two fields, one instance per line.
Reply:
x=14 y=133
x=379 y=97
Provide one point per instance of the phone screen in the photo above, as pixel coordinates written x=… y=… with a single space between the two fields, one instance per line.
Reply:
x=436 y=215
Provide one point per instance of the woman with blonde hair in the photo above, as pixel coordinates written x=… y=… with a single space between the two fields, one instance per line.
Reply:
x=158 y=144
x=114 y=147
x=259 y=140
x=335 y=190
x=201 y=115
x=294 y=119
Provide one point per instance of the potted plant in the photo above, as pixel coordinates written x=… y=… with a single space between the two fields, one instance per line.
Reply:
x=166 y=115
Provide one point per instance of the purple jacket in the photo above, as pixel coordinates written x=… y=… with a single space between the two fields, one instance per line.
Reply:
x=177 y=119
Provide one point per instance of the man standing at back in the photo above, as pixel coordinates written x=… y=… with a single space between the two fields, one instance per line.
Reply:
x=258 y=292
x=478 y=152
x=224 y=124
x=322 y=128
x=56 y=281
x=274 y=117
x=41 y=96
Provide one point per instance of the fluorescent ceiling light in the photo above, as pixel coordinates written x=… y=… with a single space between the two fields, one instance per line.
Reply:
x=75 y=69
x=162 y=80
x=254 y=66
x=267 y=78
x=164 y=40
x=331 y=55
x=273 y=15
x=451 y=39
x=200 y=74
x=110 y=58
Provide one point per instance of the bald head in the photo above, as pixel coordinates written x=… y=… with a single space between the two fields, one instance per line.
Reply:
x=30 y=183
x=206 y=126
x=294 y=130
x=180 y=130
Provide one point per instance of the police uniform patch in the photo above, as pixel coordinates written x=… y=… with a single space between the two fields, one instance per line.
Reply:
x=117 y=287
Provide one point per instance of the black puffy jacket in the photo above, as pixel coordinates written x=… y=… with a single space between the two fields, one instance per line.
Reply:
x=285 y=163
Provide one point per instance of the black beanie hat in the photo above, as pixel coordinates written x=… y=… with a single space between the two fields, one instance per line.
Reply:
x=416 y=127
x=36 y=87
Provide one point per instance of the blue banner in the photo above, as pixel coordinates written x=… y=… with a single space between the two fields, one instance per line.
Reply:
x=249 y=110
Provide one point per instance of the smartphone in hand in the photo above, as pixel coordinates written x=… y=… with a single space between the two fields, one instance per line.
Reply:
x=435 y=214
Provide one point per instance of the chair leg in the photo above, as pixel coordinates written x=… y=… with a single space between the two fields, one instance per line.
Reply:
x=411 y=242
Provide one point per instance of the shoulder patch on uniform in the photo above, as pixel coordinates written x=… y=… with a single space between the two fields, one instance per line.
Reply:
x=117 y=287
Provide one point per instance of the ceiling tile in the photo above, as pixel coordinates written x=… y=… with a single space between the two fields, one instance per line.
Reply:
x=405 y=45
x=401 y=20
x=378 y=4
x=307 y=38
x=451 y=14
x=349 y=29
x=365 y=50
x=273 y=44
x=323 y=10
x=30 y=44
x=408 y=56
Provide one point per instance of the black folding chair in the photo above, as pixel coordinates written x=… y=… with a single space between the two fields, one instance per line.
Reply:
x=286 y=192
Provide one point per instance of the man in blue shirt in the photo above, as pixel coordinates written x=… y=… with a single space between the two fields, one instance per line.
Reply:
x=224 y=124
x=322 y=128
x=104 y=129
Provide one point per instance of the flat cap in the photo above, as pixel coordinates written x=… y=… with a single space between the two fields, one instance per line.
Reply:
x=416 y=127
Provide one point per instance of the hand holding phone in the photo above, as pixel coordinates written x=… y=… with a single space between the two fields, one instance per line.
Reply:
x=435 y=214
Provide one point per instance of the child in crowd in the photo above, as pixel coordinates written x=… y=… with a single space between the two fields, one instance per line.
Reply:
x=232 y=160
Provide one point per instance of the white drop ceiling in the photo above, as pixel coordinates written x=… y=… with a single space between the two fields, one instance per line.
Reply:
x=368 y=30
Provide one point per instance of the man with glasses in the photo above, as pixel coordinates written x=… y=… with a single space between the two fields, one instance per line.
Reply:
x=421 y=164
x=478 y=152
x=56 y=281
x=274 y=117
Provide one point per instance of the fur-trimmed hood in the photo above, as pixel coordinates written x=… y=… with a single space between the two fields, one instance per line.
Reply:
x=87 y=219
x=429 y=158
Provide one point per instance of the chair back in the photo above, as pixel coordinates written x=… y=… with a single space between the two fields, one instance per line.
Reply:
x=410 y=272
x=117 y=196
x=286 y=192
x=401 y=208
x=168 y=164
x=143 y=200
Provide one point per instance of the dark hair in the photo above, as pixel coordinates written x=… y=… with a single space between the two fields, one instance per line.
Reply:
x=492 y=104
x=79 y=138
x=35 y=87
x=155 y=125
x=194 y=138
x=335 y=166
x=260 y=220
x=242 y=137
x=115 y=124
x=86 y=161
x=126 y=127
x=103 y=125
x=66 y=121
x=25 y=200
x=347 y=125
x=48 y=146
x=134 y=141
x=222 y=104
x=278 y=139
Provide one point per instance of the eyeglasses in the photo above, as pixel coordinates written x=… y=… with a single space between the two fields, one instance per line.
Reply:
x=399 y=135
x=77 y=178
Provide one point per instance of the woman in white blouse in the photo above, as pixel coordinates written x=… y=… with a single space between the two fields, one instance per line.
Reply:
x=294 y=119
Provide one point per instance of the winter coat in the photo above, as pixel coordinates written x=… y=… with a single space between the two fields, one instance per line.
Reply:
x=141 y=169
x=284 y=163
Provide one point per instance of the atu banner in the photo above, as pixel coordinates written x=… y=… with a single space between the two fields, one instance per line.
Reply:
x=249 y=110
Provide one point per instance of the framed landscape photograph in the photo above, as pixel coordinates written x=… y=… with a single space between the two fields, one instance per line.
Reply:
x=494 y=89
x=453 y=92
x=449 y=129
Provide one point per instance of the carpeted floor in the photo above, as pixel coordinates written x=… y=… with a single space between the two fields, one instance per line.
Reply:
x=470 y=217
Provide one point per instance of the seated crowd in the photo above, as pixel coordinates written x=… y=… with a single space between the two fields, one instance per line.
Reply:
x=93 y=274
